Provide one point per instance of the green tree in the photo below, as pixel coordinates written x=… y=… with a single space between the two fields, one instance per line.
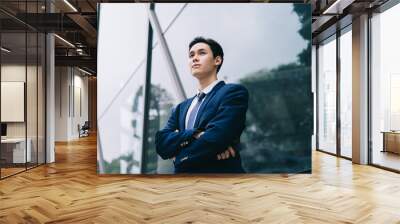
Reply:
x=304 y=13
x=279 y=118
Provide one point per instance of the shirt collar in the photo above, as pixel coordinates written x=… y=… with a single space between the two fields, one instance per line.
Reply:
x=209 y=87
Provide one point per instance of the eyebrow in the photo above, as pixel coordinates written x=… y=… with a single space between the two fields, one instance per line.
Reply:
x=201 y=49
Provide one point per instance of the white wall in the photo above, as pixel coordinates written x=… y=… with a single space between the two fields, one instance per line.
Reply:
x=79 y=117
x=61 y=103
x=71 y=87
x=12 y=73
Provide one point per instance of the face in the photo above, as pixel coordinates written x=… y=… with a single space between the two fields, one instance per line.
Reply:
x=202 y=62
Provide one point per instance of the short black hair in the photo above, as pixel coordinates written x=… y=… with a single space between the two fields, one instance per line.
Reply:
x=214 y=45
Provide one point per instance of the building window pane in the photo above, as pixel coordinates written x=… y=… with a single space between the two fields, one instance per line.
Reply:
x=15 y=150
x=346 y=94
x=386 y=88
x=120 y=86
x=327 y=96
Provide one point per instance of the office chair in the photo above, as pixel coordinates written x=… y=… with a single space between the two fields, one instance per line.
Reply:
x=84 y=130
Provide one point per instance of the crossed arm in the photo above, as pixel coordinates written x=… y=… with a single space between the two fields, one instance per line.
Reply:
x=168 y=140
x=191 y=147
x=230 y=152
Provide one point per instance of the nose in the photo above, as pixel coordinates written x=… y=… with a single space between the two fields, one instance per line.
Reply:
x=195 y=59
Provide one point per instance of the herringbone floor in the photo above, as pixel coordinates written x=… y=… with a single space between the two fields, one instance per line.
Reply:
x=69 y=191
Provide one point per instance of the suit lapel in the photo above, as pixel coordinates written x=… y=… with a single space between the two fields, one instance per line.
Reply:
x=183 y=112
x=205 y=102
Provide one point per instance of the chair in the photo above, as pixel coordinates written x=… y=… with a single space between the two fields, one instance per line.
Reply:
x=84 y=130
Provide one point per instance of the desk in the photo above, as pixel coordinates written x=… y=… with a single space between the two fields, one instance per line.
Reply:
x=15 y=148
x=391 y=141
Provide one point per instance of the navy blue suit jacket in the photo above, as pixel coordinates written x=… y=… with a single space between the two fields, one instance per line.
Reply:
x=222 y=117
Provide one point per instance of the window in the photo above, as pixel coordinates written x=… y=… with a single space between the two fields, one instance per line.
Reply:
x=346 y=92
x=22 y=73
x=385 y=88
x=327 y=95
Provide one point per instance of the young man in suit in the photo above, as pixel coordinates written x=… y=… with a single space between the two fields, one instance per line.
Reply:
x=202 y=134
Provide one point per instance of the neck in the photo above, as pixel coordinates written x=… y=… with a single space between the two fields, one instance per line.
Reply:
x=203 y=83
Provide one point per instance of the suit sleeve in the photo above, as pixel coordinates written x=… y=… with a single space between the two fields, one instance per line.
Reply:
x=220 y=132
x=169 y=140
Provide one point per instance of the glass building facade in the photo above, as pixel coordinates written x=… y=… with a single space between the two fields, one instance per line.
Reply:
x=335 y=56
x=385 y=89
x=22 y=77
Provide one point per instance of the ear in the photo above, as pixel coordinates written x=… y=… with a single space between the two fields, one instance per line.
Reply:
x=218 y=60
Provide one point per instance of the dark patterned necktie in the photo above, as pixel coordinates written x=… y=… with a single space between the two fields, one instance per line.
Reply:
x=193 y=113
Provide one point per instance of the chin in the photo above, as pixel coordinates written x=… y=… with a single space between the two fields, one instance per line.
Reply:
x=197 y=74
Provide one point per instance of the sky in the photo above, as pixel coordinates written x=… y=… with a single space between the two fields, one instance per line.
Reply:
x=254 y=36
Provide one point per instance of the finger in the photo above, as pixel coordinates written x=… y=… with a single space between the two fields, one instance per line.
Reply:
x=218 y=157
x=200 y=134
x=232 y=151
x=227 y=154
x=222 y=155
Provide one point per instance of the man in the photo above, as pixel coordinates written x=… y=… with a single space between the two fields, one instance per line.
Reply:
x=202 y=134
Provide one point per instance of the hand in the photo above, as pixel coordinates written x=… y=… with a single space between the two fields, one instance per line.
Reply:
x=197 y=135
x=228 y=153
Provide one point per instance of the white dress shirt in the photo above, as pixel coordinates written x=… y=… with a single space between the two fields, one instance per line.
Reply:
x=194 y=101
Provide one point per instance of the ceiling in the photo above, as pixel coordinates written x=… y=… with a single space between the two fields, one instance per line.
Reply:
x=332 y=15
x=75 y=21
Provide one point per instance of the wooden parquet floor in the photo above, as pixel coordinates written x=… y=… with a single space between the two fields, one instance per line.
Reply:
x=70 y=191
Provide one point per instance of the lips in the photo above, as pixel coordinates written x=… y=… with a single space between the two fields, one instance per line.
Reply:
x=195 y=65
